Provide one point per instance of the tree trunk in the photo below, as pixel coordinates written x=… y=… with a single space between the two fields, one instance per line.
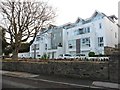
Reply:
x=15 y=54
x=15 y=51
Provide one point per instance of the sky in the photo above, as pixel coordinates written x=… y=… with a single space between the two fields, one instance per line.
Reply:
x=70 y=10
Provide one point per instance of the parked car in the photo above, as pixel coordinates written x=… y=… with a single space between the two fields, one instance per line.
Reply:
x=81 y=56
x=103 y=58
x=98 y=58
x=65 y=56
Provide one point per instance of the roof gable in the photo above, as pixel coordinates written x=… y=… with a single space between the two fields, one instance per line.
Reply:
x=96 y=14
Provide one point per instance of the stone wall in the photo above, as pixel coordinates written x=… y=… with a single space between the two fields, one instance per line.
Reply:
x=109 y=50
x=85 y=70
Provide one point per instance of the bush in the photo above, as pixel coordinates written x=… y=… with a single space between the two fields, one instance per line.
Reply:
x=91 y=54
x=45 y=56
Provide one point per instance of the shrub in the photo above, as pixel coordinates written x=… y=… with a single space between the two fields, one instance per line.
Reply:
x=91 y=54
x=45 y=56
x=100 y=55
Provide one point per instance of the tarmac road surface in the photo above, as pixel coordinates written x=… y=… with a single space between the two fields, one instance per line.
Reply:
x=16 y=80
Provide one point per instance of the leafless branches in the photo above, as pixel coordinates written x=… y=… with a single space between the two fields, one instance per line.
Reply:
x=25 y=19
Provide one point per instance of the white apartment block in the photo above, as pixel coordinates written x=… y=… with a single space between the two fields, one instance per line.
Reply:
x=40 y=45
x=85 y=35
x=93 y=34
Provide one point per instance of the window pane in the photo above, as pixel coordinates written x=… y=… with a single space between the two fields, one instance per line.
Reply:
x=100 y=41
x=86 y=42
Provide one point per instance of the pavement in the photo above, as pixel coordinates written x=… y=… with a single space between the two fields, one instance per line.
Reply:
x=106 y=84
x=18 y=74
x=63 y=81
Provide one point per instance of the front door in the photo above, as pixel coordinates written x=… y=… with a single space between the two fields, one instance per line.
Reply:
x=77 y=45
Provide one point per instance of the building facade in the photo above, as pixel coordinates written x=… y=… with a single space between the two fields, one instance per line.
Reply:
x=94 y=34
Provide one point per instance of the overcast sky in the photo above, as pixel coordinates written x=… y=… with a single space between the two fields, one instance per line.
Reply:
x=70 y=10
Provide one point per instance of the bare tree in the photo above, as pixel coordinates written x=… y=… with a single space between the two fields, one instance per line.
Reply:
x=23 y=20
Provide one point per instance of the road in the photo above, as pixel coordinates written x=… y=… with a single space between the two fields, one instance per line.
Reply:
x=15 y=82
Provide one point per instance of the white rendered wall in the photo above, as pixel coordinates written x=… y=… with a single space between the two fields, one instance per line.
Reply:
x=110 y=29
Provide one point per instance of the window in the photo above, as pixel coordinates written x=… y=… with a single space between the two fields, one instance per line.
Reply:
x=72 y=43
x=86 y=42
x=100 y=25
x=41 y=38
x=116 y=46
x=35 y=47
x=37 y=38
x=88 y=29
x=100 y=41
x=59 y=44
x=38 y=55
x=45 y=46
x=82 y=31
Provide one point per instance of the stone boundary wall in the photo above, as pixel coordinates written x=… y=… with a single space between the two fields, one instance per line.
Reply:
x=85 y=70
